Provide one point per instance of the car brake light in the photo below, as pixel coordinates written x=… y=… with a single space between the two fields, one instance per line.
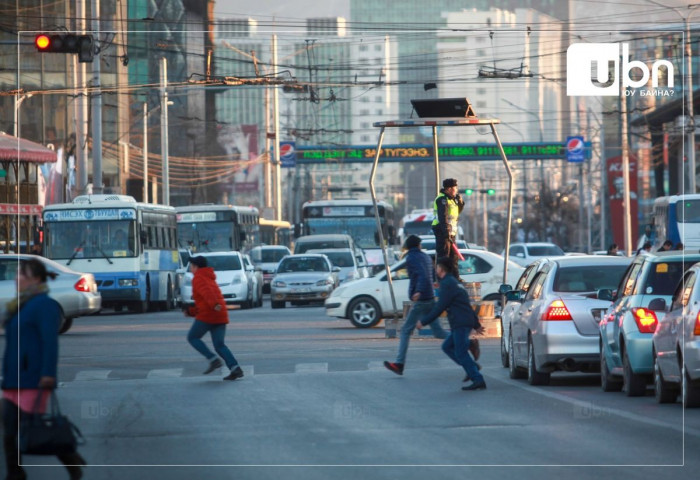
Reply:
x=696 y=332
x=557 y=311
x=82 y=285
x=646 y=320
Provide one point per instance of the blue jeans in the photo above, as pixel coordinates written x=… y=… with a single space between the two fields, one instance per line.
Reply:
x=456 y=346
x=218 y=332
x=418 y=310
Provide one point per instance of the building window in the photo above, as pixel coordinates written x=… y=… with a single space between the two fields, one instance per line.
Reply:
x=481 y=53
x=481 y=91
x=364 y=111
x=364 y=48
x=378 y=99
x=377 y=48
x=364 y=125
x=364 y=99
x=380 y=111
x=480 y=104
x=364 y=138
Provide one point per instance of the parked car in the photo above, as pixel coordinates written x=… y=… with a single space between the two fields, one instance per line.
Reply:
x=525 y=253
x=676 y=345
x=234 y=281
x=324 y=241
x=303 y=278
x=365 y=302
x=556 y=327
x=75 y=292
x=352 y=267
x=511 y=309
x=427 y=242
x=628 y=326
x=267 y=257
x=255 y=276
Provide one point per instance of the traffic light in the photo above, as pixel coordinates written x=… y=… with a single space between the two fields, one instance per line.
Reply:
x=66 y=43
x=490 y=191
x=469 y=191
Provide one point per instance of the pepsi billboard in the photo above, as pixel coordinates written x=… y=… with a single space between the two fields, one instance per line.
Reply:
x=288 y=155
x=575 y=149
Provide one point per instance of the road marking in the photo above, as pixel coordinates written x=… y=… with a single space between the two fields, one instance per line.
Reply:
x=311 y=367
x=600 y=410
x=375 y=366
x=165 y=373
x=90 y=375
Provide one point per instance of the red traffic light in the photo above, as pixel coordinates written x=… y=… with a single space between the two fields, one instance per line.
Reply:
x=42 y=42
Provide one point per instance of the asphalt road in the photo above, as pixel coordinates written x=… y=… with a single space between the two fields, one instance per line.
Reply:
x=316 y=403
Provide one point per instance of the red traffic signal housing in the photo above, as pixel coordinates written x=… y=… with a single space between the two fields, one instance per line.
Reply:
x=66 y=43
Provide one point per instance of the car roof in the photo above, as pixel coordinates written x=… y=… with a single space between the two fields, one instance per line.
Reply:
x=324 y=236
x=270 y=247
x=671 y=255
x=321 y=250
x=297 y=255
x=584 y=260
x=46 y=261
x=217 y=254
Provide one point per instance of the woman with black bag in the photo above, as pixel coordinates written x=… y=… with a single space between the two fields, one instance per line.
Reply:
x=30 y=363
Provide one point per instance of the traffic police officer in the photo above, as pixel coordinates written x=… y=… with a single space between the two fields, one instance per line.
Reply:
x=446 y=209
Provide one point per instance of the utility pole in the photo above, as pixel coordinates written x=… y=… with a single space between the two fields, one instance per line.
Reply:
x=278 y=174
x=625 y=171
x=268 y=165
x=164 y=129
x=145 y=152
x=81 y=113
x=96 y=106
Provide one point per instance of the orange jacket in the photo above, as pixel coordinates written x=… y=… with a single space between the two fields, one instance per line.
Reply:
x=207 y=295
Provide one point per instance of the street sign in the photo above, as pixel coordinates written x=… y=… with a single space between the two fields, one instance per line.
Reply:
x=575 y=149
x=288 y=155
x=14 y=209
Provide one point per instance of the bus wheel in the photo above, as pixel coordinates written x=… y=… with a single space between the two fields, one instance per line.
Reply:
x=168 y=303
x=144 y=305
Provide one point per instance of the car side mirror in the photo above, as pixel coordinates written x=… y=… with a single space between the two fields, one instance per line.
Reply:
x=505 y=288
x=520 y=255
x=605 y=294
x=658 y=305
x=335 y=269
x=513 y=296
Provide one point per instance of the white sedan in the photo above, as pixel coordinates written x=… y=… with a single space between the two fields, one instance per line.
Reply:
x=366 y=301
x=234 y=280
x=75 y=292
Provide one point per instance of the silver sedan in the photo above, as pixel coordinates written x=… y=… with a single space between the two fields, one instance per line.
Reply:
x=677 y=345
x=556 y=327
x=75 y=292
x=303 y=278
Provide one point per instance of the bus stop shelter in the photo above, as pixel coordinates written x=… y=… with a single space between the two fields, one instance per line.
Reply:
x=434 y=123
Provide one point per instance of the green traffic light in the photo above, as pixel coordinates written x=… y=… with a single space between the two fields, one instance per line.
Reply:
x=491 y=191
x=468 y=191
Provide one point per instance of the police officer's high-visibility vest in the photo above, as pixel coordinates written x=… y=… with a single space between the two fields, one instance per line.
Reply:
x=452 y=213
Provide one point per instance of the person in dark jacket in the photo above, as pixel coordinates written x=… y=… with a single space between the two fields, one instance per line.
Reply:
x=454 y=298
x=421 y=292
x=446 y=209
x=211 y=316
x=31 y=335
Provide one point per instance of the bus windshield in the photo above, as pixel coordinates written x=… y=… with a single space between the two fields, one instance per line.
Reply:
x=206 y=236
x=96 y=239
x=362 y=229
x=688 y=211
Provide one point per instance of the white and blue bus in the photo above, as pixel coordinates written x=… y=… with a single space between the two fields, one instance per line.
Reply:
x=130 y=248
x=677 y=218
x=353 y=217
x=217 y=228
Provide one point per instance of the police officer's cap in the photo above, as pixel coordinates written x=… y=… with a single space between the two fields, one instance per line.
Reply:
x=449 y=182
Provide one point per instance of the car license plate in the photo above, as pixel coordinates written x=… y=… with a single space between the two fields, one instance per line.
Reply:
x=301 y=290
x=598 y=314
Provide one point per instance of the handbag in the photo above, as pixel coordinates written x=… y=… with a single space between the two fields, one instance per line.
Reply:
x=50 y=433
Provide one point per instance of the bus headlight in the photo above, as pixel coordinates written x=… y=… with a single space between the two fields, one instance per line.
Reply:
x=128 y=282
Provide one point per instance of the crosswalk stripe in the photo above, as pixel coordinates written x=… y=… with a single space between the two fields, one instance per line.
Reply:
x=165 y=373
x=375 y=366
x=311 y=368
x=88 y=375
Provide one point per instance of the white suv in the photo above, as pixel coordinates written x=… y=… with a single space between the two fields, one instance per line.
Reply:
x=525 y=253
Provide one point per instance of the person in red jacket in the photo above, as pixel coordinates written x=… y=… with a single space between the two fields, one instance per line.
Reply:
x=211 y=316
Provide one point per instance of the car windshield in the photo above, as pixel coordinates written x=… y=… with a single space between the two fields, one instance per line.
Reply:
x=268 y=255
x=305 y=246
x=588 y=278
x=224 y=262
x=340 y=259
x=303 y=264
x=544 y=250
x=663 y=277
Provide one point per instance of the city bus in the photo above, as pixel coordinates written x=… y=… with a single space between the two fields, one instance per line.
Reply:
x=352 y=217
x=677 y=218
x=130 y=248
x=217 y=228
x=275 y=232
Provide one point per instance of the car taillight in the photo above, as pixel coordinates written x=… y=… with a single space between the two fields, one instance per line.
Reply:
x=82 y=285
x=646 y=320
x=696 y=332
x=557 y=311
